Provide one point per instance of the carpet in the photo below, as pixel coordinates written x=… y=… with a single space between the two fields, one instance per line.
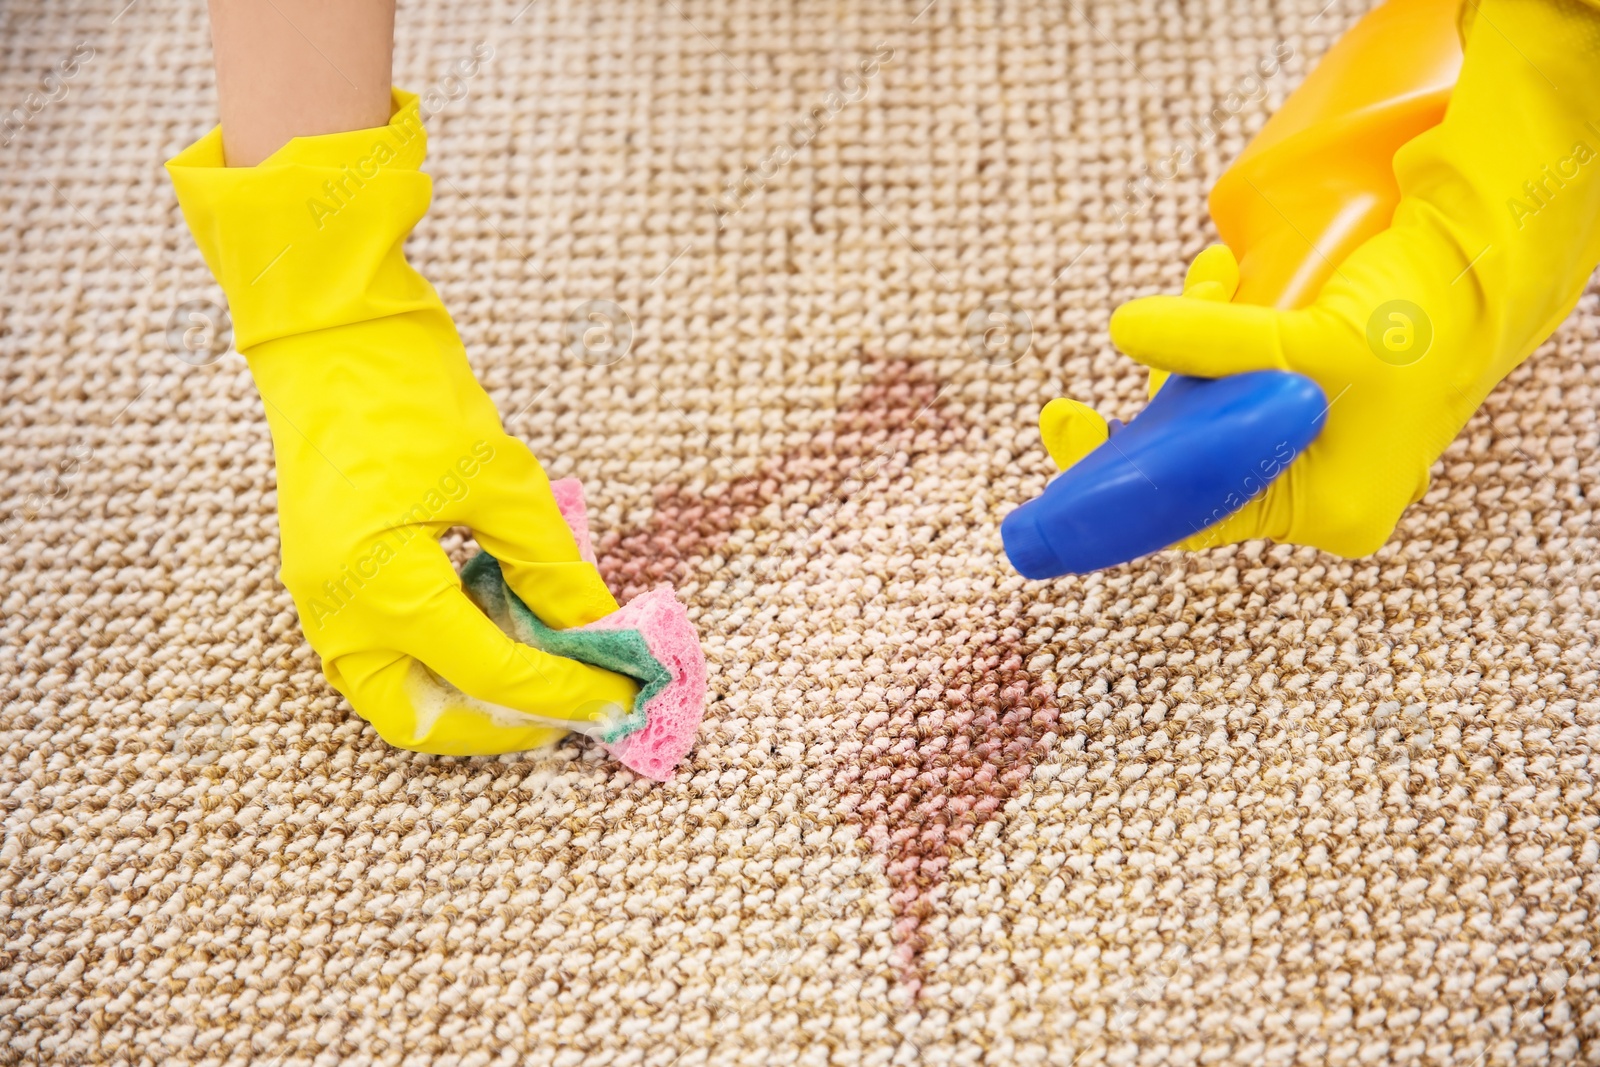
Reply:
x=803 y=274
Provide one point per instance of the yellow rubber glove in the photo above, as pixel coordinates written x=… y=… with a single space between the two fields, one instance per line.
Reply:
x=1494 y=240
x=384 y=440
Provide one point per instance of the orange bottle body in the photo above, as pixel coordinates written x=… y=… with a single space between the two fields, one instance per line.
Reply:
x=1318 y=180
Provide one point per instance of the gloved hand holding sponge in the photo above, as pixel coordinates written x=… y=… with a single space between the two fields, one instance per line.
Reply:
x=384 y=440
x=1495 y=232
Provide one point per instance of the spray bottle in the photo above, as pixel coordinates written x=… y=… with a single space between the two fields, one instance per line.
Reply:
x=1316 y=183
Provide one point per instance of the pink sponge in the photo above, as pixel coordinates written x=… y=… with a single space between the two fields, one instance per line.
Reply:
x=673 y=714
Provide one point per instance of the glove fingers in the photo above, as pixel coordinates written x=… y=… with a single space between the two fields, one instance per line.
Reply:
x=563 y=595
x=460 y=644
x=516 y=520
x=1204 y=338
x=1070 y=431
x=411 y=709
x=514 y=507
x=1214 y=275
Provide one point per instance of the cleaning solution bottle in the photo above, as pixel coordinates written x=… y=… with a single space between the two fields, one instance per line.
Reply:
x=1311 y=187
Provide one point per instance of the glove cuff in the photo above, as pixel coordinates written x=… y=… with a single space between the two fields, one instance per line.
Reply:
x=312 y=237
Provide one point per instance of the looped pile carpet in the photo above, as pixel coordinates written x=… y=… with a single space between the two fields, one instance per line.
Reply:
x=803 y=274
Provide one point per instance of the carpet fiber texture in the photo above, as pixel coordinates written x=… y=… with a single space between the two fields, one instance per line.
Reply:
x=804 y=273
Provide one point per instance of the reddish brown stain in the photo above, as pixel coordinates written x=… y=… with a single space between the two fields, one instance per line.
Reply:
x=931 y=770
x=898 y=411
x=940 y=767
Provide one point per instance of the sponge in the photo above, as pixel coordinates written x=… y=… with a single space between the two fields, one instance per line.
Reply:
x=650 y=639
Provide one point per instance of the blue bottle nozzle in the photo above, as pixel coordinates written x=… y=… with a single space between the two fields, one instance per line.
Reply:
x=1198 y=452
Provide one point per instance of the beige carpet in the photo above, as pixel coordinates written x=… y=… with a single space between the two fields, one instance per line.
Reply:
x=1251 y=806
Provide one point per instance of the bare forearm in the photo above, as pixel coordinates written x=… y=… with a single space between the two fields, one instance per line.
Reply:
x=296 y=68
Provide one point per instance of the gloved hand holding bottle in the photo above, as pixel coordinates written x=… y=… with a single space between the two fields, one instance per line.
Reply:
x=1495 y=236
